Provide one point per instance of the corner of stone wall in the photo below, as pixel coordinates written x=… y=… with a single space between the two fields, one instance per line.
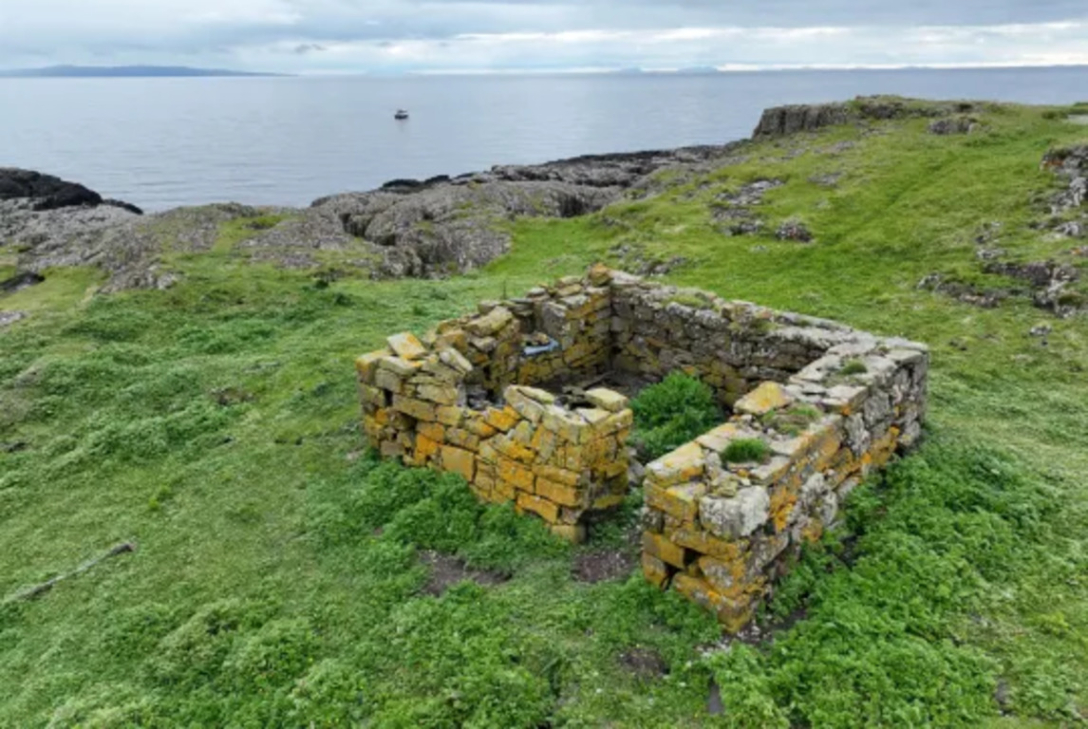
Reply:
x=460 y=400
x=721 y=530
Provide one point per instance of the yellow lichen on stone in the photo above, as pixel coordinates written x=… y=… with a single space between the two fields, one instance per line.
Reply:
x=684 y=464
x=562 y=494
x=459 y=461
x=606 y=399
x=659 y=546
x=681 y=502
x=502 y=420
x=655 y=571
x=368 y=363
x=407 y=346
x=765 y=398
x=520 y=477
x=542 y=507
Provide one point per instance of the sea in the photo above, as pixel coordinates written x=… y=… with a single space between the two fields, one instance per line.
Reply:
x=161 y=143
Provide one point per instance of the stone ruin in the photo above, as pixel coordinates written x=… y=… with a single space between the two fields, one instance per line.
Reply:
x=528 y=401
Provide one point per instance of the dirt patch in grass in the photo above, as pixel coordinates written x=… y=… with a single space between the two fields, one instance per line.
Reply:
x=447 y=571
x=645 y=663
x=604 y=564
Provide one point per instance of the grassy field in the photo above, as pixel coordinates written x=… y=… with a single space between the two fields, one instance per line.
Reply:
x=278 y=579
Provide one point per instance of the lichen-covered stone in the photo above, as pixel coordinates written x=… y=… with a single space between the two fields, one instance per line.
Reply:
x=739 y=516
x=765 y=398
x=407 y=346
x=608 y=400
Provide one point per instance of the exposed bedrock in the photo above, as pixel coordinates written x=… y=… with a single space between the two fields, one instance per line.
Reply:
x=46 y=192
x=447 y=225
x=784 y=120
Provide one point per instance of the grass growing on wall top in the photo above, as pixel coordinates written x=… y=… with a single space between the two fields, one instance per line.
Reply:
x=277 y=580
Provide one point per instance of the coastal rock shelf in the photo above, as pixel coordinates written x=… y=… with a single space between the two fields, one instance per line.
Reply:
x=816 y=406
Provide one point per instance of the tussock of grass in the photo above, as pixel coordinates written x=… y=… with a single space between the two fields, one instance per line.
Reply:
x=746 y=450
x=671 y=413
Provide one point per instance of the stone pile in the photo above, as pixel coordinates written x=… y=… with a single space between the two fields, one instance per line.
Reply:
x=816 y=407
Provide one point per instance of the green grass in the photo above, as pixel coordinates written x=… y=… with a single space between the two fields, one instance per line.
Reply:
x=854 y=367
x=277 y=583
x=746 y=450
x=671 y=413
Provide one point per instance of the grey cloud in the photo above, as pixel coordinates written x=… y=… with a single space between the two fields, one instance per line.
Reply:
x=306 y=28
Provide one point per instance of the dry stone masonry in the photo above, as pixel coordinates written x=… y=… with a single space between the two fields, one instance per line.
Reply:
x=816 y=406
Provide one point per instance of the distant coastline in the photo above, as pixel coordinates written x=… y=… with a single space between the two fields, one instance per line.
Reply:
x=129 y=72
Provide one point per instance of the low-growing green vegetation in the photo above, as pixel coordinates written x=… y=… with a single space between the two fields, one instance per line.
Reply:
x=671 y=413
x=280 y=577
x=853 y=367
x=793 y=420
x=746 y=450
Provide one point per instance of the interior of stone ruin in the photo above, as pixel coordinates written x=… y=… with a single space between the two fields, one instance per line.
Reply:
x=528 y=400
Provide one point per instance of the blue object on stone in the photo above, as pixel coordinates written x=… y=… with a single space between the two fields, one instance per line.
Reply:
x=551 y=346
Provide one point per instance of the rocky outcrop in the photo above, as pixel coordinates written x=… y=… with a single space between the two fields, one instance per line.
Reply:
x=445 y=225
x=954 y=125
x=785 y=120
x=46 y=192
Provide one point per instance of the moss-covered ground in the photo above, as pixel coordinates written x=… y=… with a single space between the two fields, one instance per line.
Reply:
x=277 y=580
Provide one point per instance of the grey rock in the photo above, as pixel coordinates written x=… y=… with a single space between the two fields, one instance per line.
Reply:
x=954 y=125
x=10 y=317
x=736 y=517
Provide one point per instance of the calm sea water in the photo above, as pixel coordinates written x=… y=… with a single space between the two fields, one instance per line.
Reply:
x=166 y=142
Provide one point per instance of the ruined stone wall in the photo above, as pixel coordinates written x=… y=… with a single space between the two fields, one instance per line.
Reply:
x=721 y=532
x=450 y=402
x=731 y=346
x=817 y=406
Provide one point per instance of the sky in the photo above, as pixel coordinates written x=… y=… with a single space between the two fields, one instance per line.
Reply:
x=460 y=36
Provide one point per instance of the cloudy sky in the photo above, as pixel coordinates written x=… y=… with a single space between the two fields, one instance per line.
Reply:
x=389 y=36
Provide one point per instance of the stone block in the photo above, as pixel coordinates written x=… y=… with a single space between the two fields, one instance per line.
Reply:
x=765 y=398
x=655 y=571
x=739 y=516
x=728 y=577
x=440 y=395
x=527 y=407
x=434 y=431
x=541 y=507
x=567 y=425
x=686 y=463
x=544 y=442
x=459 y=461
x=491 y=323
x=367 y=364
x=417 y=409
x=502 y=420
x=399 y=366
x=573 y=533
x=388 y=380
x=513 y=450
x=657 y=545
x=450 y=416
x=608 y=400
x=558 y=475
x=463 y=439
x=516 y=474
x=562 y=494
x=681 y=502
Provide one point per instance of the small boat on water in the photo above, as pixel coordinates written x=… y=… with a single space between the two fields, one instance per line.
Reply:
x=401 y=115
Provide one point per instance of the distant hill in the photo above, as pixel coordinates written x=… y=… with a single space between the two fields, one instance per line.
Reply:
x=124 y=72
